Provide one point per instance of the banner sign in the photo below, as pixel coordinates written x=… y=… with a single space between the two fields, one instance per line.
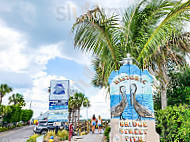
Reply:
x=58 y=100
x=58 y=116
x=131 y=94
x=58 y=105
x=59 y=90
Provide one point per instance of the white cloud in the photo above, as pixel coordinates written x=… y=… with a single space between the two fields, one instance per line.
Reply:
x=18 y=58
x=24 y=10
x=113 y=3
x=100 y=105
x=11 y=45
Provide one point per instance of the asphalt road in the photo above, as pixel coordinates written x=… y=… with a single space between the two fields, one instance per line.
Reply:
x=17 y=135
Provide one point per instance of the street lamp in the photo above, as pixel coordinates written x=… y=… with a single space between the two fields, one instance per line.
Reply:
x=128 y=60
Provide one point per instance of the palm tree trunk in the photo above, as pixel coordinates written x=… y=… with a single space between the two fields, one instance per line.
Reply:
x=163 y=96
x=69 y=116
x=164 y=85
x=0 y=98
x=78 y=115
x=73 y=116
x=1 y=120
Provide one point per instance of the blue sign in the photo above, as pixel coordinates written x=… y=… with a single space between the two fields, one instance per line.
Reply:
x=131 y=93
x=58 y=100
x=58 y=116
x=58 y=105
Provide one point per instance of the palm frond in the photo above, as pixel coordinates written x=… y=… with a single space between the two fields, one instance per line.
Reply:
x=95 y=32
x=173 y=23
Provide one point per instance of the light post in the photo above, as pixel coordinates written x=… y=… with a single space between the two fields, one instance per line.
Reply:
x=30 y=104
x=128 y=60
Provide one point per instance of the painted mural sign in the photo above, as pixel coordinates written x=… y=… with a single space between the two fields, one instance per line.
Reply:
x=131 y=94
x=131 y=102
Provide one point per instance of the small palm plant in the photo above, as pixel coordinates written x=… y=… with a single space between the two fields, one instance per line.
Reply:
x=4 y=89
x=17 y=99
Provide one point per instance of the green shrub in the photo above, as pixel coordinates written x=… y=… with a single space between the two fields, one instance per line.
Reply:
x=106 y=133
x=1 y=129
x=12 y=127
x=63 y=134
x=5 y=129
x=32 y=138
x=173 y=124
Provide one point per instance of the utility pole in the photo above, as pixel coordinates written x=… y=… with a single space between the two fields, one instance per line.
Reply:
x=30 y=104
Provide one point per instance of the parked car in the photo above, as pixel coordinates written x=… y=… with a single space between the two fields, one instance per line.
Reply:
x=43 y=127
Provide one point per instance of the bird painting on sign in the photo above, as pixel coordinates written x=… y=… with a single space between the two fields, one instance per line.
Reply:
x=118 y=109
x=59 y=89
x=140 y=109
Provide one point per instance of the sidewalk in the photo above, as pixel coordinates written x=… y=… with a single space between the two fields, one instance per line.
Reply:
x=96 y=137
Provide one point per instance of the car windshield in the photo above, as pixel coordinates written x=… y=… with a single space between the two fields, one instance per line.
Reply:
x=50 y=124
x=42 y=123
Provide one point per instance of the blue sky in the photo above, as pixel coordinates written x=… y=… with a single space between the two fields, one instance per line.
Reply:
x=36 y=45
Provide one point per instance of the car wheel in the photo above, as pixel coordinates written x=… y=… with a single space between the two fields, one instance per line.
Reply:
x=43 y=132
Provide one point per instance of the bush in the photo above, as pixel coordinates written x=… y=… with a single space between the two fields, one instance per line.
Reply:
x=26 y=115
x=106 y=133
x=64 y=134
x=173 y=124
x=5 y=129
x=1 y=129
x=32 y=138
x=17 y=114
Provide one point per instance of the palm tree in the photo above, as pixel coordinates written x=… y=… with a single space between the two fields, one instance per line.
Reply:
x=71 y=107
x=79 y=98
x=86 y=102
x=151 y=31
x=4 y=89
x=4 y=110
x=17 y=99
